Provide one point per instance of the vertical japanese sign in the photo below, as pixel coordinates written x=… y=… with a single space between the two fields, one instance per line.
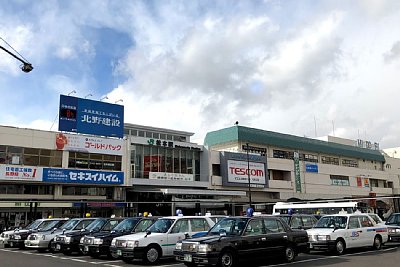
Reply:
x=297 y=178
x=359 y=181
x=90 y=117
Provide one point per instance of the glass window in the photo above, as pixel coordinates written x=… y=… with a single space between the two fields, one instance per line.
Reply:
x=273 y=226
x=141 y=133
x=181 y=226
x=296 y=222
x=31 y=160
x=365 y=221
x=254 y=227
x=354 y=223
x=199 y=225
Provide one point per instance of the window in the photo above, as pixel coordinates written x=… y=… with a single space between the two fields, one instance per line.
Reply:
x=181 y=226
x=94 y=161
x=216 y=169
x=349 y=163
x=329 y=160
x=282 y=154
x=309 y=157
x=296 y=222
x=199 y=225
x=273 y=226
x=340 y=180
x=365 y=221
x=254 y=227
x=354 y=223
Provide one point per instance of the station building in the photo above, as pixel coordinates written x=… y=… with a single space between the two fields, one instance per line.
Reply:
x=299 y=168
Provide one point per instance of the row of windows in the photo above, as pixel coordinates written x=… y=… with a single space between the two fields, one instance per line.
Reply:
x=20 y=189
x=30 y=156
x=155 y=135
x=94 y=161
x=146 y=159
x=329 y=160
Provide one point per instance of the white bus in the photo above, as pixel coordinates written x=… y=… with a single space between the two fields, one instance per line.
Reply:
x=318 y=208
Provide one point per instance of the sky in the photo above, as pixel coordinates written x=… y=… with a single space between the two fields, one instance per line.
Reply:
x=306 y=68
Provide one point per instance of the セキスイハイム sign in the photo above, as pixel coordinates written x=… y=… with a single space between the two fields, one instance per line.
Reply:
x=82 y=176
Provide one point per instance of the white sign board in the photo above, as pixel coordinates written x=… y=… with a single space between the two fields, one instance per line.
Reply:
x=81 y=143
x=21 y=173
x=237 y=172
x=171 y=176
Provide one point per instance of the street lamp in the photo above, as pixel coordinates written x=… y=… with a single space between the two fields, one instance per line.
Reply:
x=119 y=100
x=88 y=95
x=106 y=97
x=248 y=174
x=26 y=66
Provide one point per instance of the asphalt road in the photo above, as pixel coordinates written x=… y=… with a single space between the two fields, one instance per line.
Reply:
x=388 y=256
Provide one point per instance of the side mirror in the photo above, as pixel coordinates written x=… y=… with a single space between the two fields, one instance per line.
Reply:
x=187 y=235
x=83 y=230
x=222 y=232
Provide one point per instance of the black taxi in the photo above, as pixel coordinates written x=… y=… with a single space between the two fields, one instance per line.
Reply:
x=237 y=239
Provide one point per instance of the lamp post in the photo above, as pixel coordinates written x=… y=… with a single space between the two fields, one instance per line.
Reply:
x=26 y=66
x=248 y=174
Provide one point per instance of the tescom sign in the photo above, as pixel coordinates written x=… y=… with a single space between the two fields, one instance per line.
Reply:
x=235 y=172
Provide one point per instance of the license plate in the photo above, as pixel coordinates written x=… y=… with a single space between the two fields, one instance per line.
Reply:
x=119 y=252
x=86 y=248
x=58 y=247
x=187 y=257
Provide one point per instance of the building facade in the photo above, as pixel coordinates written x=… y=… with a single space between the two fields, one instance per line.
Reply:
x=300 y=168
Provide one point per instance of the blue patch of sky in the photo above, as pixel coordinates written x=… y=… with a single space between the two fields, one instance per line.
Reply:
x=256 y=87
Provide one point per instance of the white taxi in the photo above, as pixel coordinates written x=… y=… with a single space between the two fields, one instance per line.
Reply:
x=341 y=231
x=159 y=239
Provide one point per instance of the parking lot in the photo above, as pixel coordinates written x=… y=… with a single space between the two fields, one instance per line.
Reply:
x=388 y=256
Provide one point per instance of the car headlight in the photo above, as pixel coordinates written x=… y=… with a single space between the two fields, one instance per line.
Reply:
x=323 y=237
x=178 y=246
x=391 y=230
x=203 y=248
x=17 y=237
x=67 y=239
x=132 y=244
x=113 y=242
x=97 y=241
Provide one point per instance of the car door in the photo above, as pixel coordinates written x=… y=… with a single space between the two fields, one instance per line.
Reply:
x=177 y=232
x=254 y=240
x=275 y=236
x=354 y=232
x=368 y=231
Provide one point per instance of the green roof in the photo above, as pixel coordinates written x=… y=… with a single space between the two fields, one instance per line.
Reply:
x=262 y=137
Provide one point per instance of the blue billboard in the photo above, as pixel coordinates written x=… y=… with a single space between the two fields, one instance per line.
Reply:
x=53 y=175
x=90 y=117
x=311 y=167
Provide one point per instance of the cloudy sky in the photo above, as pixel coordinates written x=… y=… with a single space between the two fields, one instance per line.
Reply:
x=307 y=68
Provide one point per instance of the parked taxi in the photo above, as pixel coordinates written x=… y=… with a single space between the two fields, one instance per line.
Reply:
x=338 y=232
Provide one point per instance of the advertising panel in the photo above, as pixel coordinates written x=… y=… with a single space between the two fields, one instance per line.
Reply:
x=152 y=163
x=297 y=177
x=359 y=181
x=90 y=117
x=171 y=176
x=82 y=176
x=19 y=173
x=311 y=167
x=236 y=168
x=80 y=143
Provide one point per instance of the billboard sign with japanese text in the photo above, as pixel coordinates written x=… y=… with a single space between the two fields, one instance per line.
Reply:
x=90 y=117
x=82 y=176
x=20 y=173
x=89 y=144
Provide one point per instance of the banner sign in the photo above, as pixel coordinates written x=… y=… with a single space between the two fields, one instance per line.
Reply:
x=237 y=168
x=366 y=182
x=90 y=117
x=19 y=173
x=297 y=177
x=82 y=176
x=171 y=176
x=311 y=167
x=359 y=182
x=81 y=143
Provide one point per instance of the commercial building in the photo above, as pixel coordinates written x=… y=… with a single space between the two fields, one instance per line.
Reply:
x=298 y=168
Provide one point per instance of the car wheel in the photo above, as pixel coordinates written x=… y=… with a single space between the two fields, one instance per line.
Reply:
x=227 y=259
x=94 y=255
x=110 y=256
x=290 y=254
x=340 y=246
x=67 y=252
x=51 y=246
x=152 y=255
x=190 y=264
x=41 y=250
x=377 y=243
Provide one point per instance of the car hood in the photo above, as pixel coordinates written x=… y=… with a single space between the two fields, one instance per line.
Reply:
x=138 y=236
x=320 y=231
x=105 y=234
x=210 y=238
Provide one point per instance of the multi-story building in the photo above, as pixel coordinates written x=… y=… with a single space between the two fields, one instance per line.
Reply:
x=297 y=168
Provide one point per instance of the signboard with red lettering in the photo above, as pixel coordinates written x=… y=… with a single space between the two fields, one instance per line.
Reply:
x=21 y=173
x=81 y=143
x=238 y=169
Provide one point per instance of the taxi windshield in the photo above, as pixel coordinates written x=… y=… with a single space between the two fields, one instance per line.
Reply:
x=91 y=225
x=110 y=225
x=50 y=226
x=339 y=222
x=34 y=225
x=126 y=225
x=143 y=225
x=161 y=226
x=230 y=226
x=70 y=224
